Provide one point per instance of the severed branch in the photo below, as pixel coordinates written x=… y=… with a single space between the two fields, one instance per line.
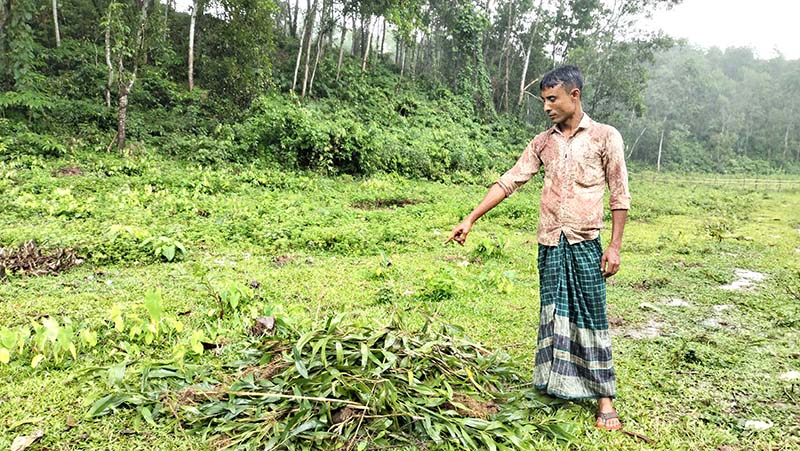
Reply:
x=350 y=404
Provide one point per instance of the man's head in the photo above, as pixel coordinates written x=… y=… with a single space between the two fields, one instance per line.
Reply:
x=561 y=93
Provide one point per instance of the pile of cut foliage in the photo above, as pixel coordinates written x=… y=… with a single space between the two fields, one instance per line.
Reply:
x=29 y=259
x=347 y=386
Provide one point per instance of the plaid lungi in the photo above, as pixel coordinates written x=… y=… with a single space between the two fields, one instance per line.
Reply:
x=573 y=355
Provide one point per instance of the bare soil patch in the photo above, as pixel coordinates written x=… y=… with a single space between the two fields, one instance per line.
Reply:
x=653 y=329
x=381 y=204
x=282 y=260
x=474 y=407
x=746 y=279
x=68 y=171
x=648 y=284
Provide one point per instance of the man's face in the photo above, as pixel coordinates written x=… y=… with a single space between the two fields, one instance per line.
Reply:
x=560 y=105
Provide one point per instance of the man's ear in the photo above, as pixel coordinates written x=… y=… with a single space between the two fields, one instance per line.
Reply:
x=575 y=94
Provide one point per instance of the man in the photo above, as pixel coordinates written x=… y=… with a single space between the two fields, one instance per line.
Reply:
x=580 y=157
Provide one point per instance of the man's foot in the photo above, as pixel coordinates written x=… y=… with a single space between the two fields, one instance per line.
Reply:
x=606 y=416
x=608 y=421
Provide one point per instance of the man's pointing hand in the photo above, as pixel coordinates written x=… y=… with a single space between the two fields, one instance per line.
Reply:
x=460 y=232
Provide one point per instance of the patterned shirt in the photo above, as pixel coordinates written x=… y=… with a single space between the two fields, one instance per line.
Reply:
x=576 y=171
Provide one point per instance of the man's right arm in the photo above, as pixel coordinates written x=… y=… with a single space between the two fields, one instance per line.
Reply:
x=527 y=165
x=495 y=195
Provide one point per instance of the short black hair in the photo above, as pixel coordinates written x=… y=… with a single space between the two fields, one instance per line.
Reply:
x=570 y=76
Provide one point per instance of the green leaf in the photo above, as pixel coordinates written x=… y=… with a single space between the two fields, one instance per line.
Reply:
x=196 y=342
x=298 y=362
x=562 y=431
x=36 y=360
x=310 y=424
x=116 y=374
x=364 y=355
x=153 y=304
x=168 y=252
x=147 y=415
x=8 y=338
x=104 y=405
x=339 y=353
x=51 y=329
x=304 y=339
x=89 y=338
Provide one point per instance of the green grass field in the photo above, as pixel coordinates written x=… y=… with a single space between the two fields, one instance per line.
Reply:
x=690 y=374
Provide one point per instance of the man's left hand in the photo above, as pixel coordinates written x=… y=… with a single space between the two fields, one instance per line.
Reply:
x=609 y=262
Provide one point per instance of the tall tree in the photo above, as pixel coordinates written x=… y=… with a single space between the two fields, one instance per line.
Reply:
x=55 y=23
x=127 y=49
x=532 y=34
x=192 y=21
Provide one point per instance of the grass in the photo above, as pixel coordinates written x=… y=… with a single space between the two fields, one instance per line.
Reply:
x=319 y=246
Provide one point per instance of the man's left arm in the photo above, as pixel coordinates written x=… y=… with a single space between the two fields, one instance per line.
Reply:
x=620 y=200
x=609 y=263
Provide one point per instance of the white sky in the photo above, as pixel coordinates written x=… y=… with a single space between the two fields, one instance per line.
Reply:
x=763 y=25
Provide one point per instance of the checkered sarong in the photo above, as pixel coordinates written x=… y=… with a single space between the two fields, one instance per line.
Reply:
x=573 y=355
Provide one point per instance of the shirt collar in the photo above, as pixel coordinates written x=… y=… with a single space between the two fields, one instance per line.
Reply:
x=585 y=123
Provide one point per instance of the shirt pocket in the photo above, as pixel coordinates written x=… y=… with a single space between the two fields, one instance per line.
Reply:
x=588 y=169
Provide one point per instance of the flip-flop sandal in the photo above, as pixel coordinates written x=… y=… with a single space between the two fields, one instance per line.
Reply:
x=605 y=416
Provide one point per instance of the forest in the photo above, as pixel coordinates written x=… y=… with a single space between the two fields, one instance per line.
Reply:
x=432 y=89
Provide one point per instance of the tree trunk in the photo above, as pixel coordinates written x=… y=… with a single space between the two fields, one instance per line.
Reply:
x=166 y=19
x=532 y=31
x=323 y=29
x=122 y=114
x=192 y=21
x=354 y=43
x=746 y=134
x=341 y=47
x=297 y=62
x=294 y=18
x=786 y=135
x=415 y=57
x=108 y=63
x=311 y=17
x=786 y=143
x=633 y=147
x=505 y=83
x=125 y=86
x=383 y=36
x=4 y=11
x=397 y=46
x=304 y=38
x=365 y=22
x=367 y=47
x=660 y=144
x=287 y=24
x=55 y=23
x=320 y=49
x=403 y=59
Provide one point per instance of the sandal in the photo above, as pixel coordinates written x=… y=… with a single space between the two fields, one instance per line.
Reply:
x=605 y=416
